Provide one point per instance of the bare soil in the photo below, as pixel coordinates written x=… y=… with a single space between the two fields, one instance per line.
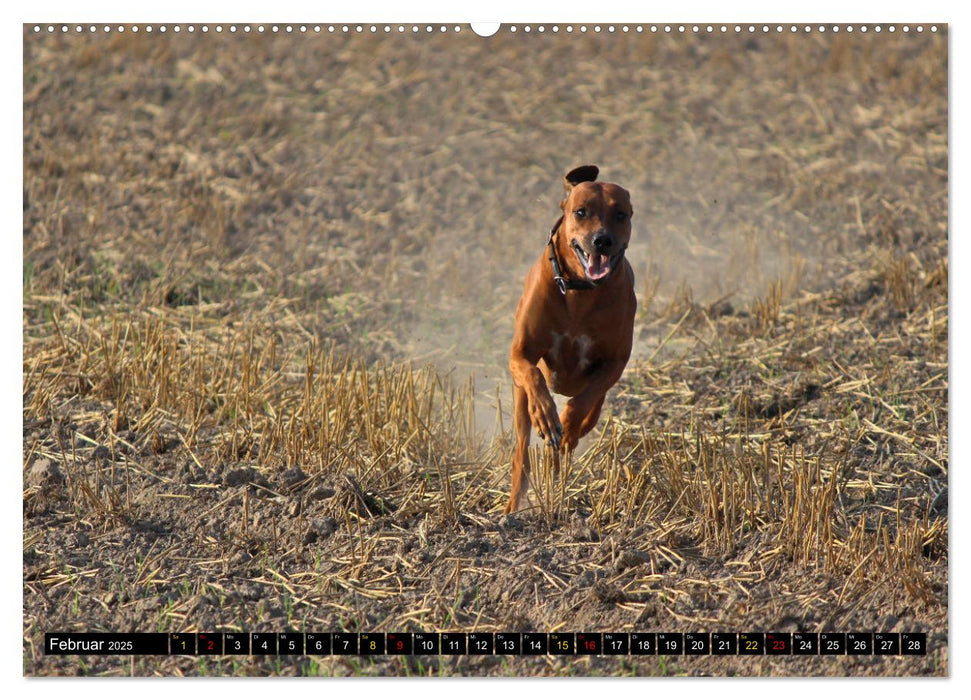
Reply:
x=268 y=294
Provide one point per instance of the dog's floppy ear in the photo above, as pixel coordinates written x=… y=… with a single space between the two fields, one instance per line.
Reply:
x=585 y=173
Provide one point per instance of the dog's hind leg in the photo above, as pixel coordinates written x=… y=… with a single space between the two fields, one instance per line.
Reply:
x=520 y=460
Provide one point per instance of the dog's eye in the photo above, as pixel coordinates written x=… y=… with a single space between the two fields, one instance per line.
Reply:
x=581 y=213
x=620 y=216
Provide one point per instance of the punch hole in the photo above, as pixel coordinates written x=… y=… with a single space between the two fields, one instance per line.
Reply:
x=920 y=27
x=934 y=28
x=681 y=28
x=162 y=29
x=485 y=29
x=527 y=29
x=878 y=29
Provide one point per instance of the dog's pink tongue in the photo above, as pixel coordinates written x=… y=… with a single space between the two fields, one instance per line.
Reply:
x=598 y=266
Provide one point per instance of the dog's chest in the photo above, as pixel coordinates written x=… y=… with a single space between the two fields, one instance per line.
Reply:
x=570 y=354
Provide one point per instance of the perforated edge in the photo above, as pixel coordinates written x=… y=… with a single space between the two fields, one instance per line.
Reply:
x=534 y=29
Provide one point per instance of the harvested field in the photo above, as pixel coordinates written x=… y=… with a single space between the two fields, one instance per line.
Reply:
x=268 y=292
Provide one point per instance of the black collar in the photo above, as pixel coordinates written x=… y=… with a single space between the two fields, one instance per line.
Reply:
x=562 y=282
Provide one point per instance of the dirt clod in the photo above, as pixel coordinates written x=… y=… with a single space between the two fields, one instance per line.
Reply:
x=44 y=474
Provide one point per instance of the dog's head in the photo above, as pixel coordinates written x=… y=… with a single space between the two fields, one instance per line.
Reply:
x=595 y=228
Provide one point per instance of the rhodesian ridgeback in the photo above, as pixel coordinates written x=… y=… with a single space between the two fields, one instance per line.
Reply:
x=575 y=321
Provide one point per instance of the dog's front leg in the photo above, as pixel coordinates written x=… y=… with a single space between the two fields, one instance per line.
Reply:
x=583 y=410
x=541 y=408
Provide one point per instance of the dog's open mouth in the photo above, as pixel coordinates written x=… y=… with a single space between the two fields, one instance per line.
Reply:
x=596 y=266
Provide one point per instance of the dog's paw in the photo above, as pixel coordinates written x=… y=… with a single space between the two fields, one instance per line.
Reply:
x=547 y=423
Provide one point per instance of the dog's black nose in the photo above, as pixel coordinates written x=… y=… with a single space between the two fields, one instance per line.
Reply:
x=603 y=242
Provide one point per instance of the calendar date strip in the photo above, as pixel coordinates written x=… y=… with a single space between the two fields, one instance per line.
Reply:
x=488 y=643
